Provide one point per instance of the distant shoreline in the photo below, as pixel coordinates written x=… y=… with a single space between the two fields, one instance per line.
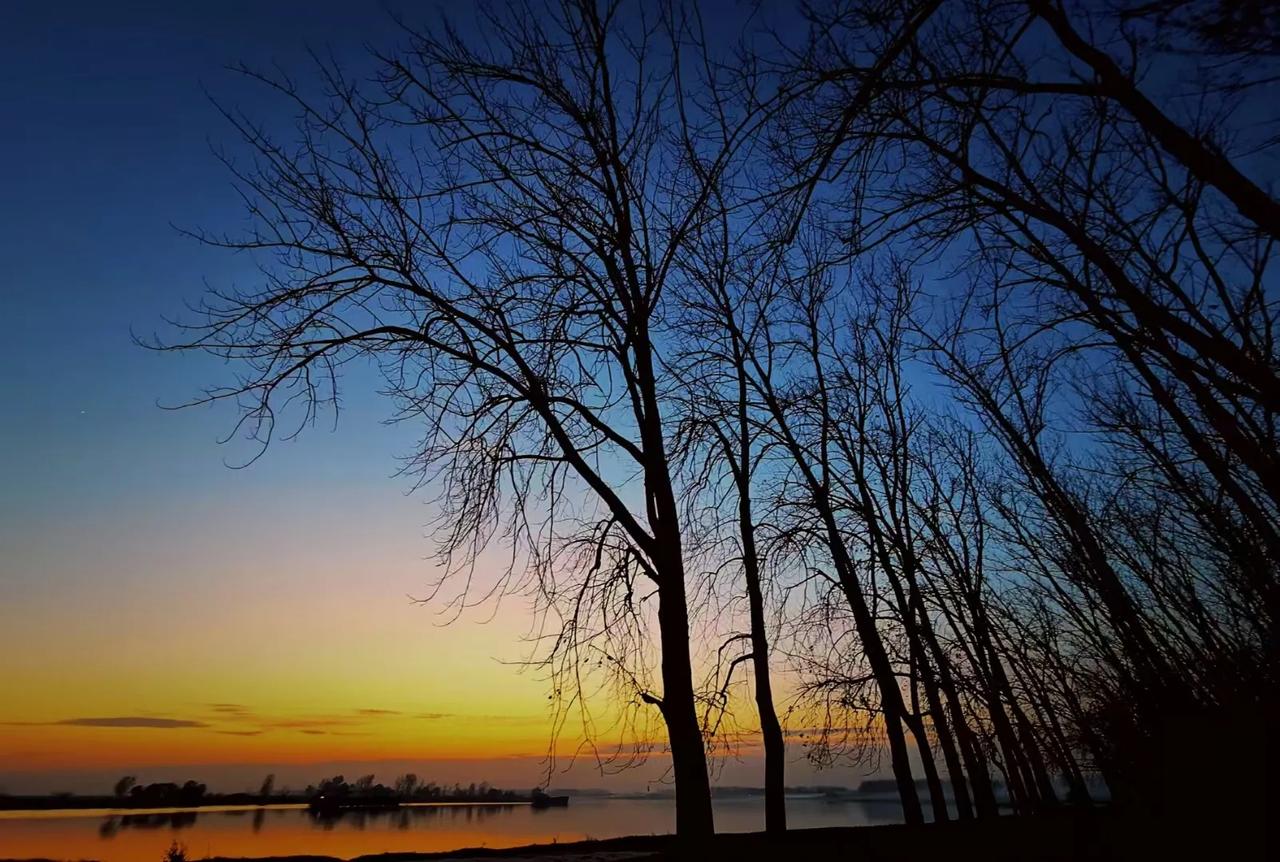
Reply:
x=240 y=801
x=116 y=805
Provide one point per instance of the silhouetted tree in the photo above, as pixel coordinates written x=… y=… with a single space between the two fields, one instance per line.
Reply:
x=406 y=785
x=499 y=225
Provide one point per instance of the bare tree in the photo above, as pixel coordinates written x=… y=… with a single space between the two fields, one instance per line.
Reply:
x=498 y=224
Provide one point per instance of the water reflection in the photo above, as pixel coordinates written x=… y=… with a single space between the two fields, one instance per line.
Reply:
x=174 y=820
x=402 y=818
x=126 y=836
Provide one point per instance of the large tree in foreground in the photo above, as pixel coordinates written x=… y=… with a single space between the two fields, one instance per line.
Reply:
x=498 y=223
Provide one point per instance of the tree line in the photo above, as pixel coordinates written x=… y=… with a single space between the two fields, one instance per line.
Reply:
x=923 y=354
x=408 y=787
x=405 y=787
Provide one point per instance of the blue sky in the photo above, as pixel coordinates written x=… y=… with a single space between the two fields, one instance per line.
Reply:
x=108 y=148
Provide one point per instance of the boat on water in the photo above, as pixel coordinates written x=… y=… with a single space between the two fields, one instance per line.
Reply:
x=542 y=800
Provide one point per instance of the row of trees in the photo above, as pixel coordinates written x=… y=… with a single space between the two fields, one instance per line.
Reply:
x=163 y=793
x=407 y=787
x=927 y=354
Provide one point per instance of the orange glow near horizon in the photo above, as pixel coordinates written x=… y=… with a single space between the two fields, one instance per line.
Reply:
x=244 y=658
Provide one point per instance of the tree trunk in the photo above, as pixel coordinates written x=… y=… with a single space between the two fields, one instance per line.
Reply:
x=775 y=804
x=911 y=811
x=694 y=819
x=937 y=796
x=936 y=685
x=891 y=705
x=950 y=733
x=1035 y=760
x=775 y=807
x=984 y=795
x=688 y=754
x=950 y=756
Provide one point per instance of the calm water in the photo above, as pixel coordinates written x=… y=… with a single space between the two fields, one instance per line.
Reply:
x=133 y=836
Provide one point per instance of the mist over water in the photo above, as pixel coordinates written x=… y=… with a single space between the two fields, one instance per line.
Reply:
x=127 y=836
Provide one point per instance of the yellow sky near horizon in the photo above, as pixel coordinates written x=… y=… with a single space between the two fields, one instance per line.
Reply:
x=287 y=634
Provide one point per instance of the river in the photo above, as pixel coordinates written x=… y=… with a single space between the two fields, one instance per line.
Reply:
x=278 y=830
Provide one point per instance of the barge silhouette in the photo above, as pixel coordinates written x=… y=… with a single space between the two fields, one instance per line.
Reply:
x=542 y=800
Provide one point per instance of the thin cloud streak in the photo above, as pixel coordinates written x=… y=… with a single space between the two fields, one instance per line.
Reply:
x=131 y=721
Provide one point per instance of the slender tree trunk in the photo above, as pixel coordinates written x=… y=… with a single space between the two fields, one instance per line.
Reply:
x=1005 y=736
x=931 y=656
x=950 y=733
x=775 y=807
x=975 y=760
x=932 y=780
x=984 y=795
x=891 y=705
x=1022 y=787
x=947 y=744
x=775 y=803
x=1048 y=796
x=914 y=721
x=1054 y=741
x=688 y=754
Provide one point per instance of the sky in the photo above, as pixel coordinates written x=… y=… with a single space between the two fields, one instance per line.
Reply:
x=157 y=607
x=162 y=614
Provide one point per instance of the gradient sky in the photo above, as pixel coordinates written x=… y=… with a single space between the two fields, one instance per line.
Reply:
x=159 y=612
x=210 y=615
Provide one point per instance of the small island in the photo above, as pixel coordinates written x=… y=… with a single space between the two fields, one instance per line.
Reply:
x=330 y=795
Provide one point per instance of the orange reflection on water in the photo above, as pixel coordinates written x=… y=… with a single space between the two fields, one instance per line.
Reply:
x=133 y=836
x=129 y=836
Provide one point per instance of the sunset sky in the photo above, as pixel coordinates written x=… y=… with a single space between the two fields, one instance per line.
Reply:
x=159 y=611
x=157 y=607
